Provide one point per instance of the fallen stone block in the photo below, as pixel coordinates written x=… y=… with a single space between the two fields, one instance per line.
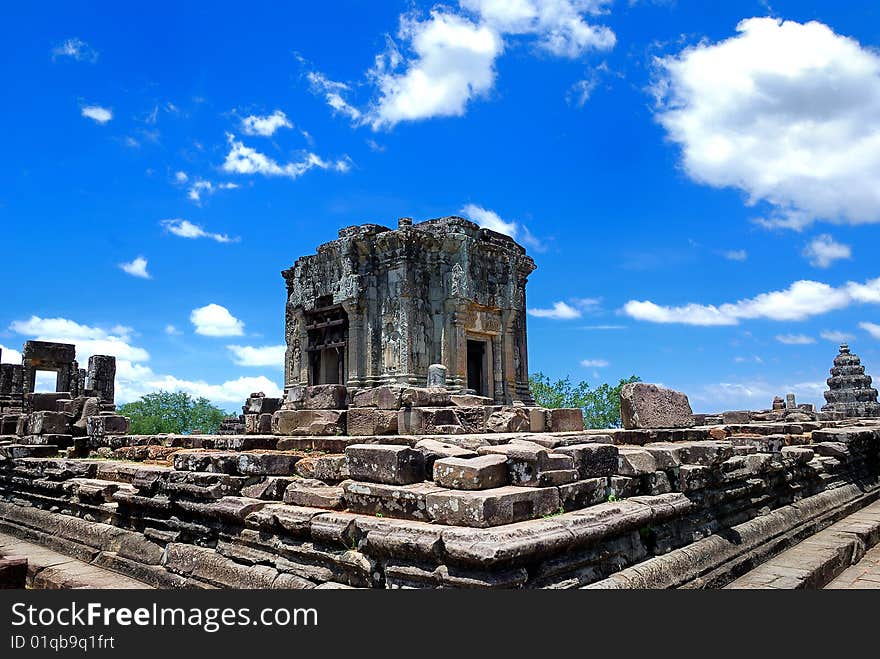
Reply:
x=800 y=454
x=425 y=397
x=694 y=477
x=565 y=420
x=381 y=463
x=538 y=419
x=49 y=423
x=470 y=400
x=656 y=483
x=267 y=464
x=430 y=421
x=508 y=419
x=705 y=453
x=369 y=421
x=389 y=398
x=736 y=417
x=14 y=451
x=592 y=460
x=261 y=405
x=532 y=465
x=644 y=405
x=480 y=473
x=107 y=424
x=380 y=499
x=623 y=487
x=309 y=422
x=485 y=508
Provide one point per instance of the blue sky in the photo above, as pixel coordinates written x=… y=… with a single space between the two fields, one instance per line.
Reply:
x=697 y=183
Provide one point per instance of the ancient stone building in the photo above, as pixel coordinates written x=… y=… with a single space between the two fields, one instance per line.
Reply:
x=379 y=306
x=849 y=388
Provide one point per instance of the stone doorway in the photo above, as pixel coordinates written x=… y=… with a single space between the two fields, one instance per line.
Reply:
x=327 y=330
x=477 y=366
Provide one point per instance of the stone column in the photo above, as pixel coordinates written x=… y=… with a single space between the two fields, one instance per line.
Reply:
x=101 y=377
x=354 y=348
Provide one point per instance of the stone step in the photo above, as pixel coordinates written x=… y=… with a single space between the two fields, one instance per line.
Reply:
x=818 y=560
x=48 y=569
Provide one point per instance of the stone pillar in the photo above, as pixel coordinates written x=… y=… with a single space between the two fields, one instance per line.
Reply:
x=354 y=348
x=790 y=403
x=437 y=375
x=101 y=377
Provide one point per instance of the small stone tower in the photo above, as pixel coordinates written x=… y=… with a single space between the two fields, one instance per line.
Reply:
x=849 y=388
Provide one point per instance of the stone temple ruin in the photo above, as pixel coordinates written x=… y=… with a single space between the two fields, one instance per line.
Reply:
x=407 y=452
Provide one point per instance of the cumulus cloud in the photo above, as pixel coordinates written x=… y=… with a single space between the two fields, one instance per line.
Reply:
x=824 y=250
x=243 y=159
x=795 y=339
x=214 y=320
x=258 y=356
x=75 y=49
x=559 y=311
x=265 y=125
x=89 y=340
x=594 y=363
x=789 y=113
x=489 y=219
x=136 y=268
x=801 y=300
x=871 y=328
x=9 y=355
x=448 y=58
x=186 y=229
x=97 y=113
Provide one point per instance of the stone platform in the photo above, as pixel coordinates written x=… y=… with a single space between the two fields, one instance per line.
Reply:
x=508 y=510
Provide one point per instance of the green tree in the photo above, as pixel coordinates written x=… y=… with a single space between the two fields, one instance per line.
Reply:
x=172 y=412
x=601 y=406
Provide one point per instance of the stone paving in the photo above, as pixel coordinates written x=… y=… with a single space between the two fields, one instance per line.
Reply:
x=864 y=575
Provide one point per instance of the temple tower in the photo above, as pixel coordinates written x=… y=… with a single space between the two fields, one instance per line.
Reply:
x=849 y=388
x=378 y=306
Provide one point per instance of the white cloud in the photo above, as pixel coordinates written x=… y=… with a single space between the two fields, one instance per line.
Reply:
x=824 y=250
x=579 y=93
x=836 y=336
x=449 y=57
x=594 y=363
x=871 y=328
x=133 y=381
x=801 y=300
x=89 y=340
x=76 y=49
x=265 y=125
x=137 y=268
x=214 y=320
x=258 y=356
x=559 y=311
x=795 y=339
x=186 y=229
x=489 y=220
x=788 y=113
x=9 y=355
x=736 y=255
x=242 y=159
x=181 y=177
x=97 y=113
x=171 y=330
x=201 y=186
x=333 y=94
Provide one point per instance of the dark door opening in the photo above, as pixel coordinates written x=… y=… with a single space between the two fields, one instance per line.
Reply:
x=476 y=358
x=327 y=329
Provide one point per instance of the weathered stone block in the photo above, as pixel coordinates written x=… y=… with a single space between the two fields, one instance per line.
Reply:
x=261 y=405
x=480 y=473
x=434 y=450
x=635 y=462
x=257 y=424
x=401 y=501
x=565 y=420
x=332 y=468
x=267 y=464
x=389 y=398
x=469 y=400
x=381 y=463
x=694 y=477
x=368 y=421
x=485 y=508
x=736 y=417
x=583 y=493
x=425 y=397
x=430 y=421
x=592 y=460
x=538 y=419
x=508 y=419
x=49 y=423
x=308 y=422
x=644 y=405
x=313 y=494
x=107 y=424
x=325 y=397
